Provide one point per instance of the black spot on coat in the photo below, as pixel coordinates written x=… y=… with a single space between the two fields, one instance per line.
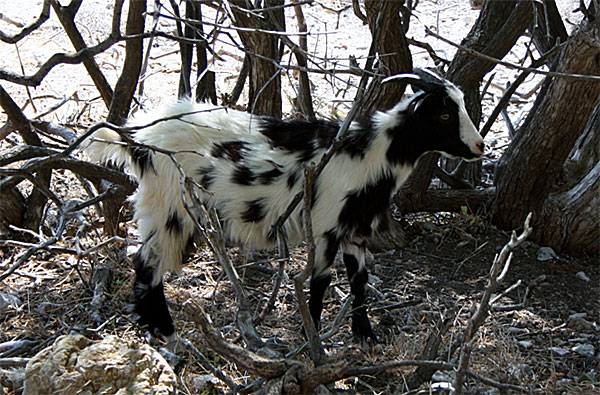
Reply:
x=292 y=178
x=255 y=211
x=142 y=157
x=242 y=175
x=300 y=136
x=232 y=150
x=268 y=177
x=174 y=223
x=362 y=207
x=207 y=176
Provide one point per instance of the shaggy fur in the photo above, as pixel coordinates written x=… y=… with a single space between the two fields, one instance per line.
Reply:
x=250 y=167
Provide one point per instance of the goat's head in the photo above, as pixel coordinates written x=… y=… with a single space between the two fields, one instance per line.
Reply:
x=438 y=108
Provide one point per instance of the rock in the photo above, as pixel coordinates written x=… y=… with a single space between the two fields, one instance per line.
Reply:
x=577 y=316
x=108 y=366
x=546 y=254
x=441 y=376
x=9 y=302
x=374 y=280
x=46 y=307
x=516 y=331
x=520 y=370
x=525 y=344
x=561 y=352
x=582 y=276
x=589 y=377
x=586 y=350
x=204 y=383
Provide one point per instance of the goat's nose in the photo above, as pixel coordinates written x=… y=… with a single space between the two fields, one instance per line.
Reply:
x=481 y=146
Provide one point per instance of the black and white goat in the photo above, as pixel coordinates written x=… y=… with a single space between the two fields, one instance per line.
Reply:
x=250 y=167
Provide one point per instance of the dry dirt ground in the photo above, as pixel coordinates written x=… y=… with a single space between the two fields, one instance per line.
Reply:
x=436 y=279
x=551 y=345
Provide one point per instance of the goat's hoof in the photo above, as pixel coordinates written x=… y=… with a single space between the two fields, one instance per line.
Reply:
x=367 y=343
x=367 y=339
x=363 y=332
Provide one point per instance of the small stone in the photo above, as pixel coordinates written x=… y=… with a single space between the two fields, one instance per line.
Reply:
x=9 y=302
x=374 y=280
x=204 y=383
x=443 y=377
x=520 y=370
x=525 y=344
x=586 y=350
x=564 y=382
x=546 y=254
x=577 y=316
x=516 y=331
x=582 y=276
x=561 y=352
x=589 y=377
x=428 y=226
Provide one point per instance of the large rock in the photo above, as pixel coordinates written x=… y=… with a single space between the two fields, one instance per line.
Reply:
x=76 y=364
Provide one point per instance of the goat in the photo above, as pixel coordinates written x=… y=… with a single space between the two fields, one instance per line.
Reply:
x=250 y=167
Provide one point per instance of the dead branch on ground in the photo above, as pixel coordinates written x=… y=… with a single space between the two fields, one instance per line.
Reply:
x=497 y=273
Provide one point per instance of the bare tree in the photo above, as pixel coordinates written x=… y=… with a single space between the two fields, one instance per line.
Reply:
x=264 y=51
x=532 y=163
x=551 y=168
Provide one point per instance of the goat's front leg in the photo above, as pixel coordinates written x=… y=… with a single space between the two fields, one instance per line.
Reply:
x=320 y=278
x=354 y=259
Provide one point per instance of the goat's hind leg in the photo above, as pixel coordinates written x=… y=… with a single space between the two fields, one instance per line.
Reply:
x=354 y=260
x=164 y=249
x=150 y=305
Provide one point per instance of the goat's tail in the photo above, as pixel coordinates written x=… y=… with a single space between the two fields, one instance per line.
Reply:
x=106 y=146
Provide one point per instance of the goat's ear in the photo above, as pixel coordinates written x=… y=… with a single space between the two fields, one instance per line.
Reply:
x=419 y=101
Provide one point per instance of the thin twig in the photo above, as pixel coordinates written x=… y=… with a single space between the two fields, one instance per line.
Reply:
x=316 y=350
x=480 y=55
x=206 y=364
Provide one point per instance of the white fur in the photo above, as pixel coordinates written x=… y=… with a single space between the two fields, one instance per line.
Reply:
x=190 y=130
x=468 y=132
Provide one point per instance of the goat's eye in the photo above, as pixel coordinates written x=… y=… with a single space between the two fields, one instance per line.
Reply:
x=445 y=117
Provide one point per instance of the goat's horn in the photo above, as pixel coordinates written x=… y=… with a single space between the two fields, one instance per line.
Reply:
x=430 y=76
x=412 y=79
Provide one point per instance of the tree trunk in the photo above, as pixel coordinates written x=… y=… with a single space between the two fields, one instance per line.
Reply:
x=304 y=104
x=206 y=90
x=548 y=27
x=585 y=153
x=186 y=49
x=121 y=103
x=569 y=220
x=36 y=199
x=12 y=209
x=531 y=164
x=263 y=48
x=132 y=66
x=394 y=55
x=499 y=26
